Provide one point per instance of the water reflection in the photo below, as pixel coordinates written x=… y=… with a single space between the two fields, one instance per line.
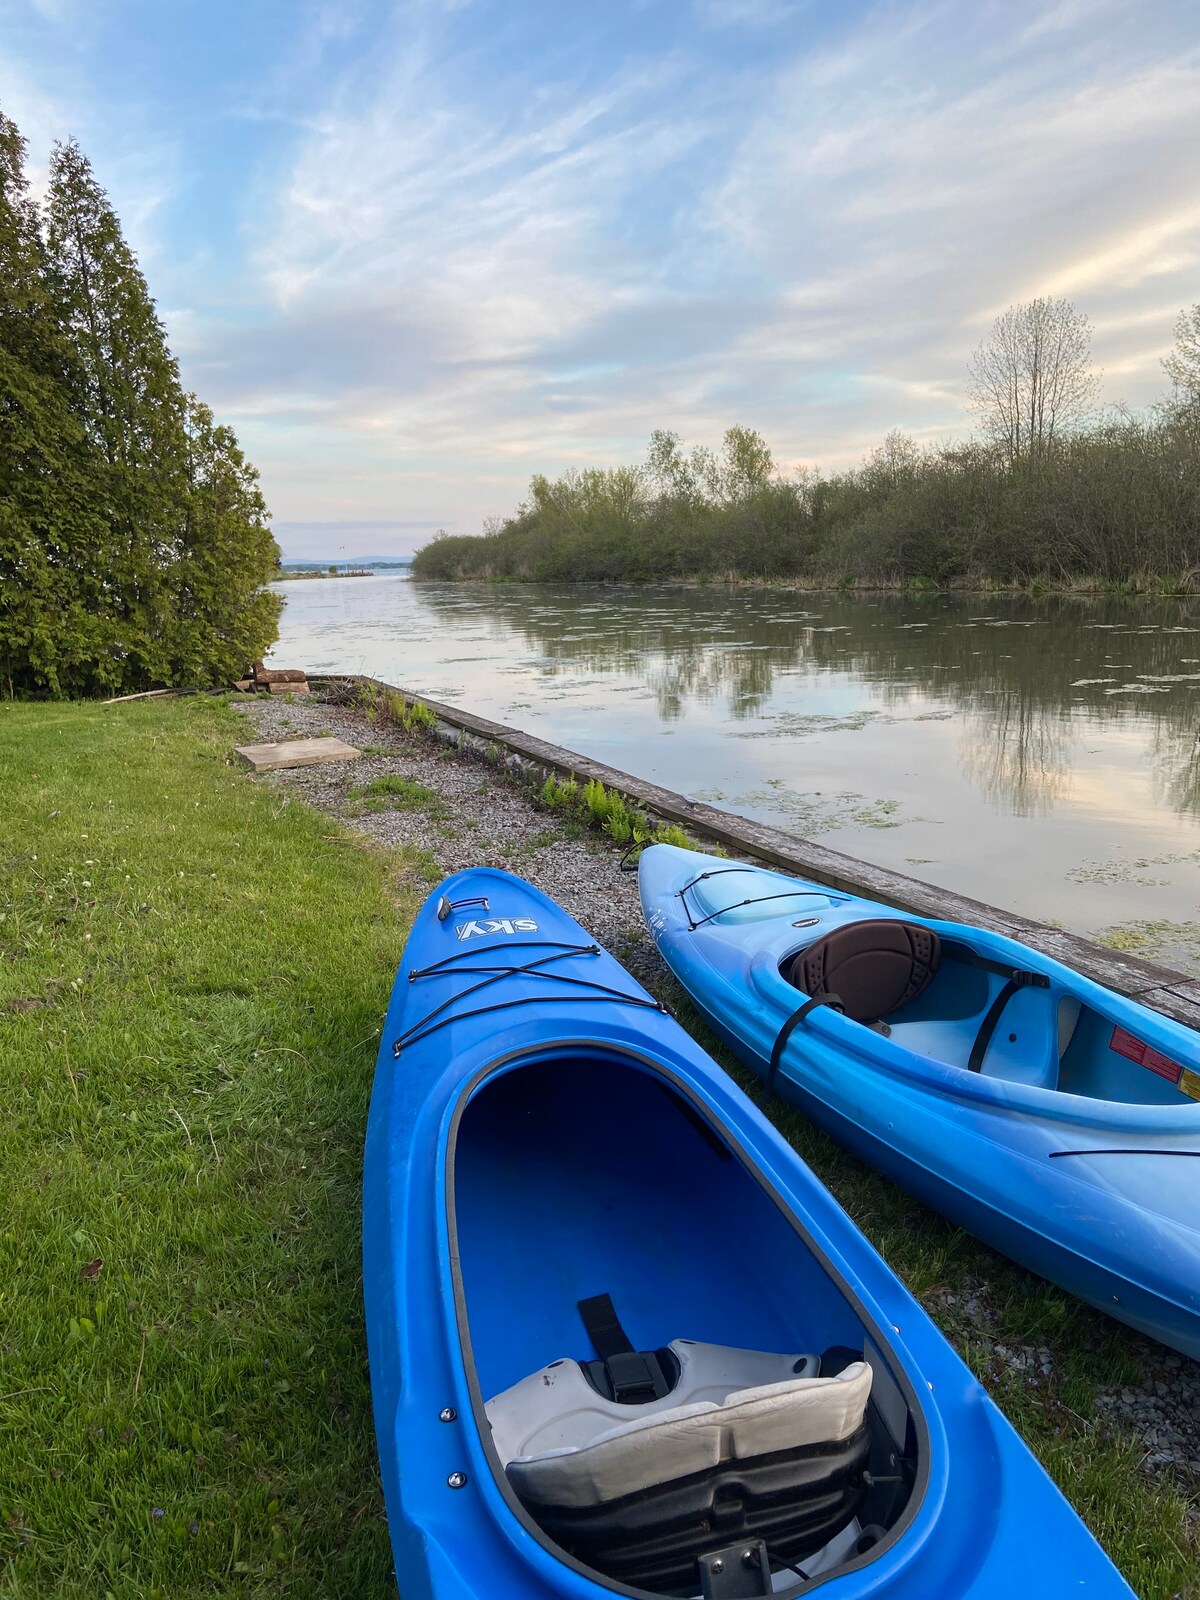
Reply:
x=1024 y=676
x=1031 y=753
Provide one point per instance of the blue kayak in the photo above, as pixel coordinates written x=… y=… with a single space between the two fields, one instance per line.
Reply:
x=622 y=1341
x=1056 y=1120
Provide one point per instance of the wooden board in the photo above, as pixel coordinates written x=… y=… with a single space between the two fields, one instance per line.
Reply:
x=295 y=753
x=1160 y=987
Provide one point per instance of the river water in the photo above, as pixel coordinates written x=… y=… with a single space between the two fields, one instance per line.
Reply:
x=1040 y=755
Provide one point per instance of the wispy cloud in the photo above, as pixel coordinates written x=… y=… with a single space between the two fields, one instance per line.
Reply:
x=419 y=250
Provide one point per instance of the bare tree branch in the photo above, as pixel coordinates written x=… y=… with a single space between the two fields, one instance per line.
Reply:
x=1031 y=378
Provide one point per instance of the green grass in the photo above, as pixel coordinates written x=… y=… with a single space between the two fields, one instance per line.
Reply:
x=192 y=972
x=394 y=793
x=192 y=975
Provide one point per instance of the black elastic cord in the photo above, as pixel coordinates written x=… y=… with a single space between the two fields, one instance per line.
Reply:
x=759 y=899
x=437 y=968
x=785 y=1033
x=442 y=1014
x=608 y=996
x=720 y=872
x=1054 y=1154
x=494 y=976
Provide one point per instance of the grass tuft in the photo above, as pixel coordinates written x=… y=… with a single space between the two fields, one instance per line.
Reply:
x=394 y=793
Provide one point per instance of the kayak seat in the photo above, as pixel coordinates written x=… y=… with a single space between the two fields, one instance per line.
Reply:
x=747 y=1444
x=875 y=967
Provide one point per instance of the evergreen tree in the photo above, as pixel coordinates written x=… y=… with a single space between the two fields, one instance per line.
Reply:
x=190 y=546
x=49 y=530
x=134 y=547
x=130 y=400
x=222 y=616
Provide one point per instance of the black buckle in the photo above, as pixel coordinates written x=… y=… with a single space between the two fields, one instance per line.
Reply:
x=632 y=1379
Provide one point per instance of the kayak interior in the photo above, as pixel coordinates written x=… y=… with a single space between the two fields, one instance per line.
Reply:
x=665 y=1364
x=944 y=998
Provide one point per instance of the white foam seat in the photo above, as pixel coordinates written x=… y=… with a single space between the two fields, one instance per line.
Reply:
x=564 y=1444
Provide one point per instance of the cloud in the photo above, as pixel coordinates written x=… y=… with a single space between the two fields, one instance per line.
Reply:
x=481 y=242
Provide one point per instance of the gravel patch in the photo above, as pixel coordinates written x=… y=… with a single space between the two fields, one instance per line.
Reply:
x=482 y=817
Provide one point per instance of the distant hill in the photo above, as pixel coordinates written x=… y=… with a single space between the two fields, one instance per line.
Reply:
x=377 y=563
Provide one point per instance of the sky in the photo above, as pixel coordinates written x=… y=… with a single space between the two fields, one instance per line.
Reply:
x=415 y=253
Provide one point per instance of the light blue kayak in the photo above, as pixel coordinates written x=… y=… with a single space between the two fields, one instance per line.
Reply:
x=1058 y=1121
x=623 y=1342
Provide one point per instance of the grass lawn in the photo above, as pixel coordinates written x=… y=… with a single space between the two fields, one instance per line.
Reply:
x=192 y=973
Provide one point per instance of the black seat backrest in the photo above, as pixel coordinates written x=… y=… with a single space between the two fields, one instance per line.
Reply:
x=874 y=967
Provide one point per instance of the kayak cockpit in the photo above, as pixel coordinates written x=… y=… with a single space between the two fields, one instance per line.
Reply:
x=943 y=999
x=666 y=1365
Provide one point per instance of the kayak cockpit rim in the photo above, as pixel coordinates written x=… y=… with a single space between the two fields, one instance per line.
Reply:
x=693 y=1106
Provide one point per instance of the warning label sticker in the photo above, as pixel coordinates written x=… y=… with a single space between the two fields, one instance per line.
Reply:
x=1135 y=1049
x=1190 y=1083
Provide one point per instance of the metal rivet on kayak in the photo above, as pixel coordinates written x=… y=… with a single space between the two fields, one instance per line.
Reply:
x=457 y=1480
x=447 y=1414
x=717 y=1566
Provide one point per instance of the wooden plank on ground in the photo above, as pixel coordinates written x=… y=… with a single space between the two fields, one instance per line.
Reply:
x=295 y=753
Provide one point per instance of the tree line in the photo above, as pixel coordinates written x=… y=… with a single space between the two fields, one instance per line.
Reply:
x=134 y=544
x=1047 y=493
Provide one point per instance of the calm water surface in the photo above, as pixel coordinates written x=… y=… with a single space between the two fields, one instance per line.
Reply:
x=1039 y=755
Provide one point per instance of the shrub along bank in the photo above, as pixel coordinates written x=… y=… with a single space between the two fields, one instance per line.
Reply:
x=1117 y=505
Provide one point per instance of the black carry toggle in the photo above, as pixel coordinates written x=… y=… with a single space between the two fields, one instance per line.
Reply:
x=785 y=1033
x=628 y=1376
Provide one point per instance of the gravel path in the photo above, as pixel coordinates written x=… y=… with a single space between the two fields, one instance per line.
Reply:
x=483 y=819
x=477 y=815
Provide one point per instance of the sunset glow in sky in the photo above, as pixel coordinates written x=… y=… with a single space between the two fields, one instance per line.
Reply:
x=416 y=252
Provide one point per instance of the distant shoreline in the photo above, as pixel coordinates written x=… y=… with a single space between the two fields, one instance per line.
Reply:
x=348 y=572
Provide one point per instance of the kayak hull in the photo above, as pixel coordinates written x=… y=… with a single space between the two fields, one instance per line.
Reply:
x=526 y=1145
x=1089 y=1192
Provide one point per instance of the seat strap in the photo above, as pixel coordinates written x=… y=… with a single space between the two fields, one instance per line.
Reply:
x=1019 y=977
x=1015 y=978
x=785 y=1033
x=604 y=1326
x=634 y=1377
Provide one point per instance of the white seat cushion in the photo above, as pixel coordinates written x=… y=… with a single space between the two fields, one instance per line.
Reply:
x=565 y=1445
